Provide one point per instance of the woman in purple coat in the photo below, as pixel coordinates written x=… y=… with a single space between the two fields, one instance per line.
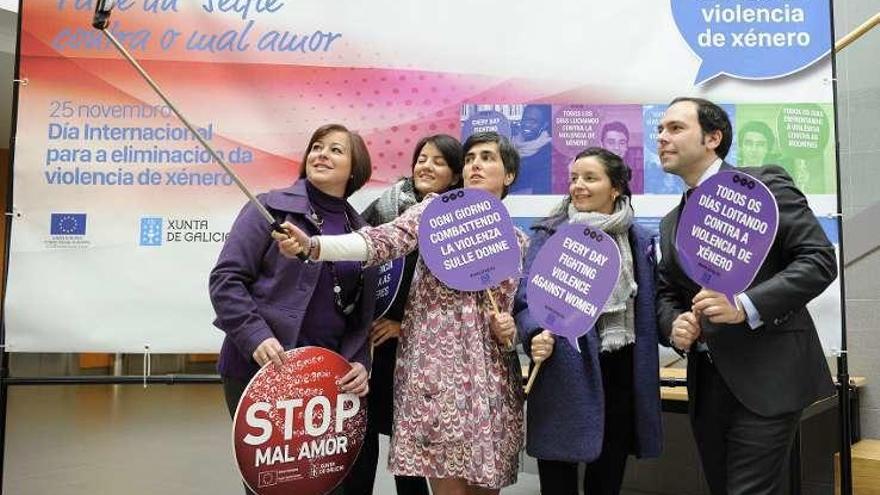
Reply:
x=267 y=304
x=602 y=404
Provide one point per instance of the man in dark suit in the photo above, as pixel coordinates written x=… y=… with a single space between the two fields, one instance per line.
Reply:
x=755 y=363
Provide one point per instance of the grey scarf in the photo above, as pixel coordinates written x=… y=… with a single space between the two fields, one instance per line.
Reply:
x=616 y=324
x=394 y=201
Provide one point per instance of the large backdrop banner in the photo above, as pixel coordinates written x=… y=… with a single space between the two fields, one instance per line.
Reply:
x=120 y=214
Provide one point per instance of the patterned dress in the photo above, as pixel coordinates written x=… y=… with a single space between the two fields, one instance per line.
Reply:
x=458 y=401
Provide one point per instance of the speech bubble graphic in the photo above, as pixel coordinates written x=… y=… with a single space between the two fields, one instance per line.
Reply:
x=571 y=279
x=803 y=130
x=485 y=121
x=746 y=39
x=576 y=127
x=725 y=232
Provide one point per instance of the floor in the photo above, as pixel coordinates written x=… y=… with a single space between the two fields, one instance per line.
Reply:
x=124 y=439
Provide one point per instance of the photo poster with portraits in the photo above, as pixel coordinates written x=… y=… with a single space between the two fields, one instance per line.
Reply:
x=797 y=136
x=119 y=213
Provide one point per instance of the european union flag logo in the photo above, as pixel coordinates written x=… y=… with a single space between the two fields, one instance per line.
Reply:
x=67 y=224
x=151 y=231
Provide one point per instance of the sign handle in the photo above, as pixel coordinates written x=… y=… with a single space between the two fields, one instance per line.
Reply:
x=509 y=343
x=532 y=375
x=492 y=301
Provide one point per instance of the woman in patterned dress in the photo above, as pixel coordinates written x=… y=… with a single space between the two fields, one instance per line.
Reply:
x=457 y=386
x=436 y=168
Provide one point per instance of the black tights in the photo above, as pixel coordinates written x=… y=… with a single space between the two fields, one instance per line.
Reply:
x=605 y=474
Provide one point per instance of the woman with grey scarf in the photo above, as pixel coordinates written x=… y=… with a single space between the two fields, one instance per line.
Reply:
x=436 y=167
x=602 y=403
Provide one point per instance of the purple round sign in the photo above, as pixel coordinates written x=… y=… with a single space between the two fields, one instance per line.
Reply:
x=390 y=276
x=468 y=241
x=571 y=279
x=725 y=231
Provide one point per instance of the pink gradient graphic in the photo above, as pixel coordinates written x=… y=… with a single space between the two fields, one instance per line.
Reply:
x=268 y=109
